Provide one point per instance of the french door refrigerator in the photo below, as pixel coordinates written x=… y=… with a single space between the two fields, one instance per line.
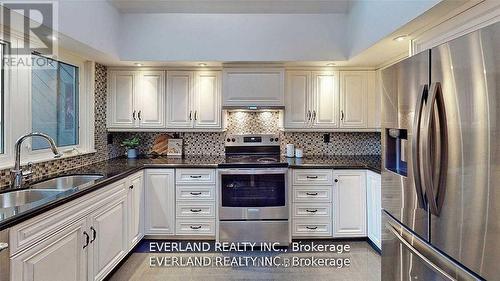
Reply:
x=441 y=162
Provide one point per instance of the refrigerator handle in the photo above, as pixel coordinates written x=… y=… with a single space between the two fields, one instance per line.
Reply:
x=428 y=254
x=415 y=147
x=435 y=179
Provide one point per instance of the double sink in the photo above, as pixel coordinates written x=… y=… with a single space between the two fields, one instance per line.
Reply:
x=45 y=189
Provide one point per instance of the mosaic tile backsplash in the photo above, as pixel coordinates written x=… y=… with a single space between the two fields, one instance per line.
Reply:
x=266 y=122
x=101 y=146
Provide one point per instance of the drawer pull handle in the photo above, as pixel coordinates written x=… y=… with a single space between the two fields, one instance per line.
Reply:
x=312 y=177
x=311 y=211
x=312 y=227
x=195 y=210
x=195 y=177
x=195 y=193
x=195 y=226
x=312 y=194
x=94 y=234
x=87 y=239
x=3 y=246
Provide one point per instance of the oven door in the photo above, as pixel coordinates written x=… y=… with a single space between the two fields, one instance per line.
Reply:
x=253 y=194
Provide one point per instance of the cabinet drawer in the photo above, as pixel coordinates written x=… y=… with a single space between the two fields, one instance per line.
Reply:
x=313 y=194
x=195 y=176
x=206 y=193
x=310 y=210
x=195 y=209
x=312 y=177
x=195 y=227
x=316 y=228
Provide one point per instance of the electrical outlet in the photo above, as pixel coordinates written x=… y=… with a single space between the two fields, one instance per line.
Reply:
x=326 y=138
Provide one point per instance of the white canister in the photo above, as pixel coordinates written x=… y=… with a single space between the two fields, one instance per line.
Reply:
x=290 y=150
x=299 y=153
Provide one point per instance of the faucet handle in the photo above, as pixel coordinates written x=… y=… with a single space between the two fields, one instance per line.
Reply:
x=29 y=170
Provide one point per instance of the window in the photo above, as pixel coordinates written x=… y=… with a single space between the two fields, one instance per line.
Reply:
x=54 y=99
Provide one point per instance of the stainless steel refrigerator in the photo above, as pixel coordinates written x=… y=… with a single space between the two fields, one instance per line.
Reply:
x=441 y=162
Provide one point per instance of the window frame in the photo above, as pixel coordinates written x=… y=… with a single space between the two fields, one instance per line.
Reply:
x=15 y=126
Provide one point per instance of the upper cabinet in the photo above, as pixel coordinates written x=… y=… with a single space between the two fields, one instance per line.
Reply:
x=312 y=99
x=253 y=87
x=146 y=100
x=136 y=99
x=331 y=100
x=194 y=99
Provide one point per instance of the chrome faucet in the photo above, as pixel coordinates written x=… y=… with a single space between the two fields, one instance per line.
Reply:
x=17 y=174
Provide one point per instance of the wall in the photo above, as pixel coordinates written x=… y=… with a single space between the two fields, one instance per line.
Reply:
x=261 y=123
x=233 y=37
x=101 y=146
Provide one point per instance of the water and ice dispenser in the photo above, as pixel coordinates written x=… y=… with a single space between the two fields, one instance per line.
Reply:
x=395 y=159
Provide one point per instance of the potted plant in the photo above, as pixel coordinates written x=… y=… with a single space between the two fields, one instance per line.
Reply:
x=131 y=145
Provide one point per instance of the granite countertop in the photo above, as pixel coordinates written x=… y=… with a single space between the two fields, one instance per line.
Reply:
x=118 y=168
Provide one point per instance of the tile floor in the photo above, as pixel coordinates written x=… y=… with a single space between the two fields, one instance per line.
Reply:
x=365 y=266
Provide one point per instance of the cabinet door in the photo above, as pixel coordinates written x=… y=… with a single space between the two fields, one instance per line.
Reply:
x=325 y=95
x=349 y=202
x=121 y=104
x=297 y=93
x=61 y=257
x=108 y=236
x=374 y=208
x=136 y=209
x=254 y=87
x=207 y=98
x=353 y=99
x=179 y=96
x=160 y=201
x=151 y=99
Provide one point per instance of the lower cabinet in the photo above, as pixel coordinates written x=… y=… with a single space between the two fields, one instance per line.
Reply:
x=61 y=257
x=87 y=247
x=374 y=207
x=160 y=201
x=349 y=203
x=136 y=208
x=108 y=238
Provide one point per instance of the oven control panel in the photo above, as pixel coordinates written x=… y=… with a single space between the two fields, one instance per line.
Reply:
x=252 y=140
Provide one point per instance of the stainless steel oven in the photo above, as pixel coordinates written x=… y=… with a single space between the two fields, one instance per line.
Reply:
x=253 y=205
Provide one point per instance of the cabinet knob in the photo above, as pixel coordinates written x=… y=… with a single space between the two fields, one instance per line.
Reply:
x=336 y=180
x=131 y=187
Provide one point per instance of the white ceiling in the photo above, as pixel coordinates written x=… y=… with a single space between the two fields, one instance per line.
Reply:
x=233 y=6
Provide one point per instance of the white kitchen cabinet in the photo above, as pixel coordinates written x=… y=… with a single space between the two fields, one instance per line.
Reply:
x=355 y=89
x=108 y=238
x=136 y=100
x=135 y=203
x=325 y=93
x=312 y=100
x=61 y=257
x=374 y=207
x=194 y=100
x=179 y=99
x=151 y=100
x=122 y=88
x=87 y=239
x=160 y=201
x=207 y=99
x=253 y=87
x=349 y=203
x=297 y=96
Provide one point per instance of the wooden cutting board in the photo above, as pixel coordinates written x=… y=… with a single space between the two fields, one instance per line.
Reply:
x=160 y=145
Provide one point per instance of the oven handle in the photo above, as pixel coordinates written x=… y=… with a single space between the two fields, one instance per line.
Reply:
x=252 y=171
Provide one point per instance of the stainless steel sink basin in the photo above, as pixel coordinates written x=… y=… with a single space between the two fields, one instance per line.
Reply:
x=23 y=197
x=66 y=182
